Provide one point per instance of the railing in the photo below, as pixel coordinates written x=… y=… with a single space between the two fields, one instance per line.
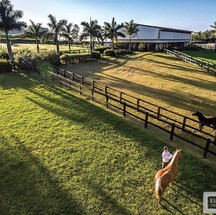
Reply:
x=210 y=67
x=149 y=114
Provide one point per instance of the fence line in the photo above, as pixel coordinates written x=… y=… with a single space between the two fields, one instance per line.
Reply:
x=210 y=67
x=137 y=108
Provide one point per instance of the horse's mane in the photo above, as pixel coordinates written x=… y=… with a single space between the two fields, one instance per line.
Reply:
x=175 y=156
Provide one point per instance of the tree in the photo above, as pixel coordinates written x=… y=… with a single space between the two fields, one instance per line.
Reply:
x=90 y=29
x=9 y=21
x=112 y=30
x=36 y=31
x=56 y=29
x=70 y=32
x=131 y=29
x=214 y=26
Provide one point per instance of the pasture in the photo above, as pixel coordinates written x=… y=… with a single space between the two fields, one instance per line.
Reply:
x=209 y=56
x=157 y=78
x=43 y=47
x=63 y=155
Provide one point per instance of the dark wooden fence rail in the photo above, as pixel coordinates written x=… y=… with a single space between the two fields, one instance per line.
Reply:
x=127 y=105
x=210 y=67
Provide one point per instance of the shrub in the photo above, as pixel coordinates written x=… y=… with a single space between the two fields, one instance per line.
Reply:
x=4 y=54
x=52 y=57
x=142 y=47
x=123 y=51
x=5 y=66
x=109 y=52
x=26 y=60
x=96 y=54
x=67 y=58
x=101 y=49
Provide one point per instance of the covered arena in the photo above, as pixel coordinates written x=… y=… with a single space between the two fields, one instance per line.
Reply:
x=157 y=38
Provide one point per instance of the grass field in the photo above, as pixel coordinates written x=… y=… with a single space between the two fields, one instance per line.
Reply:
x=156 y=77
x=63 y=155
x=43 y=47
x=209 y=56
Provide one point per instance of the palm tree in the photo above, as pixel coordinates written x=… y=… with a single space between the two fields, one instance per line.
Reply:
x=214 y=26
x=9 y=21
x=112 y=30
x=36 y=31
x=70 y=32
x=56 y=29
x=90 y=29
x=131 y=29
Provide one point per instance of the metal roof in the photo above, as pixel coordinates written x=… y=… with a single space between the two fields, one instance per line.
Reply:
x=167 y=29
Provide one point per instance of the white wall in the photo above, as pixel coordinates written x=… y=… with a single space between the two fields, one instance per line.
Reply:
x=150 y=33
x=174 y=36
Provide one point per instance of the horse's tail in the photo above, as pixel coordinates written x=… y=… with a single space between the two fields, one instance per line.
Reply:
x=158 y=189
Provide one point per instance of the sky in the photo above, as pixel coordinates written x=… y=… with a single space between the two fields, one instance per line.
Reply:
x=192 y=15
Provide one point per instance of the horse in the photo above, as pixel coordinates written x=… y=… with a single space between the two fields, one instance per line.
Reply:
x=205 y=120
x=166 y=176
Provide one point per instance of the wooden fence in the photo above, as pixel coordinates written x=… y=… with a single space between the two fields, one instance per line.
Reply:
x=149 y=114
x=210 y=67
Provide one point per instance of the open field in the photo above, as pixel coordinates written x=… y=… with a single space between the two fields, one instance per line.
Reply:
x=209 y=56
x=156 y=77
x=43 y=47
x=62 y=155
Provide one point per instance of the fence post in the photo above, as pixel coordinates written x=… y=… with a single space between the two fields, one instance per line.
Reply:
x=107 y=98
x=93 y=85
x=206 y=148
x=124 y=109
x=214 y=142
x=172 y=132
x=72 y=77
x=208 y=67
x=81 y=81
x=158 y=112
x=146 y=120
x=57 y=70
x=184 y=122
x=64 y=73
x=138 y=103
x=121 y=93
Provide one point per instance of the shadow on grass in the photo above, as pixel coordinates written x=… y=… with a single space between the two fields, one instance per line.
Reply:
x=182 y=100
x=188 y=101
x=107 y=200
x=63 y=106
x=132 y=132
x=27 y=186
x=21 y=80
x=169 y=207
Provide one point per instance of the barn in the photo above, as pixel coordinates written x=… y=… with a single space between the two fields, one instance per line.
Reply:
x=156 y=38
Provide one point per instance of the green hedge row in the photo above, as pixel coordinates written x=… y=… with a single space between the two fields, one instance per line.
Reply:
x=28 y=41
x=5 y=66
x=67 y=58
x=111 y=52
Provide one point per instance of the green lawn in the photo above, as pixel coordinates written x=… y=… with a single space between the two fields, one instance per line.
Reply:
x=209 y=56
x=62 y=155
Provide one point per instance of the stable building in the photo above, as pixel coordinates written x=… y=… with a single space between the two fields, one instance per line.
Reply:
x=157 y=38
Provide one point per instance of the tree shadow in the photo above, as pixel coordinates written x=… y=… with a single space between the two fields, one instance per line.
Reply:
x=108 y=201
x=27 y=186
x=171 y=208
x=142 y=139
x=188 y=101
x=22 y=80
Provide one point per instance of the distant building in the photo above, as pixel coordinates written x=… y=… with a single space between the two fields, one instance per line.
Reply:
x=157 y=38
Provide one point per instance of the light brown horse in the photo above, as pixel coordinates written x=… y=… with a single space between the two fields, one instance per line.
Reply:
x=165 y=176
